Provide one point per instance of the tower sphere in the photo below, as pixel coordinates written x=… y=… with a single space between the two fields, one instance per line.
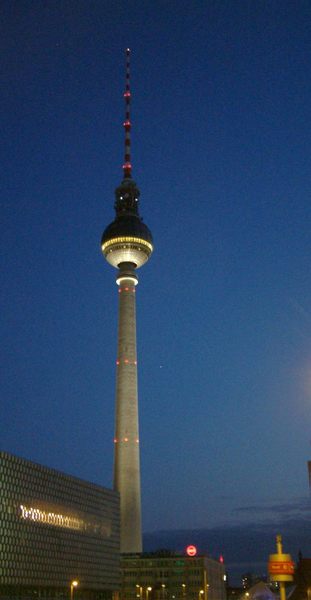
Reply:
x=127 y=239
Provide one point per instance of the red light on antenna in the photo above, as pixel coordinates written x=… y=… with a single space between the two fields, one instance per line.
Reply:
x=127 y=124
x=221 y=559
x=127 y=166
x=127 y=94
x=191 y=550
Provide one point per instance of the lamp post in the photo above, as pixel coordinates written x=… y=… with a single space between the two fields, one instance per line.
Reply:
x=206 y=585
x=73 y=585
x=140 y=588
x=148 y=589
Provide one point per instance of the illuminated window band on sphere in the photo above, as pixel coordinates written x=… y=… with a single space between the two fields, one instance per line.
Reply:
x=126 y=240
x=127 y=249
x=127 y=244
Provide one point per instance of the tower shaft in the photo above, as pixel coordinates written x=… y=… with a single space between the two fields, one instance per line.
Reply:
x=126 y=456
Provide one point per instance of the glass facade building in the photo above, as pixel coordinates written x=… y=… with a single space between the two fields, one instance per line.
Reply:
x=54 y=529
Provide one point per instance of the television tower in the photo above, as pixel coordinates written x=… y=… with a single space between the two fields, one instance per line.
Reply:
x=127 y=244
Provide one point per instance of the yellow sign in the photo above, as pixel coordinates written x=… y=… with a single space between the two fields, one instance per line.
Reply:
x=280 y=566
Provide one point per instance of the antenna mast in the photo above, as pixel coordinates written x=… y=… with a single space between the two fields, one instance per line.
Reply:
x=127 y=167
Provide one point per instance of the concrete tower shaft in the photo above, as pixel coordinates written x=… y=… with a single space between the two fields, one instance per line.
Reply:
x=126 y=457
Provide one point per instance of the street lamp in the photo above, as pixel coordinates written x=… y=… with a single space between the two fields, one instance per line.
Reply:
x=201 y=593
x=140 y=595
x=73 y=585
x=148 y=589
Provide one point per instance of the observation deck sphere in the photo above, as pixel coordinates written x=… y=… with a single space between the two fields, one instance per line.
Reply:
x=127 y=239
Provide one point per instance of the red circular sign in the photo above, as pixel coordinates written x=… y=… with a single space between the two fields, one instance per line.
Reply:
x=191 y=550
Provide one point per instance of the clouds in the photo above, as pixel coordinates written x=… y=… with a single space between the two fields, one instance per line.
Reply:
x=296 y=508
x=246 y=545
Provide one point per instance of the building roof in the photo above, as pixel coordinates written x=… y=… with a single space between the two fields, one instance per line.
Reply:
x=261 y=591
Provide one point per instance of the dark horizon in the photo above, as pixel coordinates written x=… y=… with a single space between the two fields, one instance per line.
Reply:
x=245 y=547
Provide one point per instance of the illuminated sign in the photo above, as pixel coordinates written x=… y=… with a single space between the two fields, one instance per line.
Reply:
x=281 y=568
x=191 y=550
x=51 y=518
x=66 y=521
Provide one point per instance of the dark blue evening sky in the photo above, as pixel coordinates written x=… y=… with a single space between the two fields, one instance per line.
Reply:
x=221 y=152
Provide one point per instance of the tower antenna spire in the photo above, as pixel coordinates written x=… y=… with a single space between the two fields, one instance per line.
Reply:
x=127 y=167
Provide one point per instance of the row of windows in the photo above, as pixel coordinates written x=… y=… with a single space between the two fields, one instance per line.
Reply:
x=43 y=593
x=159 y=573
x=141 y=564
x=17 y=471
x=160 y=594
x=19 y=492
